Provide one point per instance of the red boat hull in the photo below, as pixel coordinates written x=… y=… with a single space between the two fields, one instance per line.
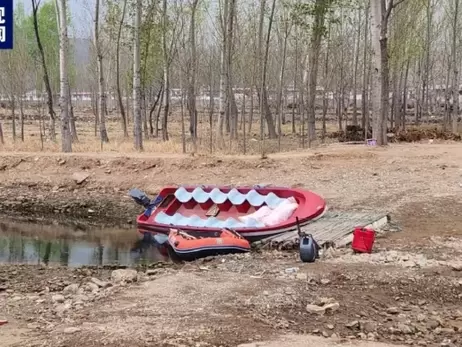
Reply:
x=310 y=206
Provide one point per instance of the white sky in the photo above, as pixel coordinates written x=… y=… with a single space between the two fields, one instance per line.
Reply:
x=80 y=11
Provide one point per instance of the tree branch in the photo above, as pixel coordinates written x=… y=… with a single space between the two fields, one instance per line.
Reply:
x=391 y=6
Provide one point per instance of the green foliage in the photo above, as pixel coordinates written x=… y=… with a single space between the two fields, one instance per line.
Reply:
x=304 y=13
x=407 y=39
x=150 y=45
x=15 y=63
x=49 y=35
x=150 y=36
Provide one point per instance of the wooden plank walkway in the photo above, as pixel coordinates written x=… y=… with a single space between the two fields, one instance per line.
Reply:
x=334 y=228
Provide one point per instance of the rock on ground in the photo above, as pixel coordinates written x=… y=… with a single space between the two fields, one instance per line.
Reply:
x=124 y=275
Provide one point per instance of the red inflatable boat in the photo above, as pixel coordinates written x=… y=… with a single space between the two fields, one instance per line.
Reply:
x=194 y=245
x=253 y=212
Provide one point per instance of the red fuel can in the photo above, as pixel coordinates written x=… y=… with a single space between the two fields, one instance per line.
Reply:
x=363 y=240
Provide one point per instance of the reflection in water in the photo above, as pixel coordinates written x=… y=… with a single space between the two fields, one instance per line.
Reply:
x=16 y=248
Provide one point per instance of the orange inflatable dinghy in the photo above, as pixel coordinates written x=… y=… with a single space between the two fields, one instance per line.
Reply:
x=192 y=245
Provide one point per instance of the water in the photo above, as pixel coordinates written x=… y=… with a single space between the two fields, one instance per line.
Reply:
x=34 y=244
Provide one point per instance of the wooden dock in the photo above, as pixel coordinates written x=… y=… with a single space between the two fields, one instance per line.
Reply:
x=333 y=228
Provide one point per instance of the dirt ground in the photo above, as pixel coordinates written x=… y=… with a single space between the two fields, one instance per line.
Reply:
x=408 y=292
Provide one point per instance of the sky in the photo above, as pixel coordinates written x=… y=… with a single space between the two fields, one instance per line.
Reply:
x=80 y=10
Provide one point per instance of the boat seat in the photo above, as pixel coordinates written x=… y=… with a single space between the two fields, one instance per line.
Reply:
x=195 y=221
x=254 y=198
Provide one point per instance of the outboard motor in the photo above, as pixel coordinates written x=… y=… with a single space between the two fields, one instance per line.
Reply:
x=308 y=249
x=308 y=246
x=140 y=197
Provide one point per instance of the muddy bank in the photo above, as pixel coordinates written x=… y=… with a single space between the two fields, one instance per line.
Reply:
x=80 y=209
x=91 y=189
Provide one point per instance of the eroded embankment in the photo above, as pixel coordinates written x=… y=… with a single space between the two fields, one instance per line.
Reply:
x=91 y=188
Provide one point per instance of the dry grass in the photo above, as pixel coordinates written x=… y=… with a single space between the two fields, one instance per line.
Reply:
x=207 y=143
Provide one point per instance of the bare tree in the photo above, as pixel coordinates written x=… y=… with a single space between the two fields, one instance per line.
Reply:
x=320 y=9
x=192 y=75
x=100 y=72
x=265 y=112
x=46 y=78
x=455 y=68
x=119 y=91
x=223 y=75
x=137 y=80
x=365 y=94
x=287 y=26
x=167 y=62
x=66 y=138
x=380 y=15
x=355 y=69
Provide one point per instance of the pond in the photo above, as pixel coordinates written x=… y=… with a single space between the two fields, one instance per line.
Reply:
x=22 y=243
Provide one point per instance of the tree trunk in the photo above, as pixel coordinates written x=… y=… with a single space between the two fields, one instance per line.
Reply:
x=211 y=104
x=325 y=99
x=448 y=92
x=425 y=80
x=251 y=88
x=281 y=80
x=244 y=142
x=379 y=86
x=144 y=114
x=192 y=75
x=166 y=72
x=404 y=108
x=2 y=140
x=153 y=108
x=13 y=117
x=223 y=74
x=21 y=119
x=73 y=128
x=341 y=83
x=183 y=131
x=231 y=109
x=161 y=102
x=95 y=107
x=119 y=91
x=364 y=96
x=66 y=138
x=100 y=72
x=455 y=69
x=46 y=79
x=295 y=101
x=355 y=70
x=418 y=87
x=395 y=103
x=138 y=135
x=127 y=104
x=320 y=9
x=251 y=103
x=264 y=106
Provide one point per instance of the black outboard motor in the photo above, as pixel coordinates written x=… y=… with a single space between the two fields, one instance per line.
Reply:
x=308 y=249
x=308 y=246
x=140 y=197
